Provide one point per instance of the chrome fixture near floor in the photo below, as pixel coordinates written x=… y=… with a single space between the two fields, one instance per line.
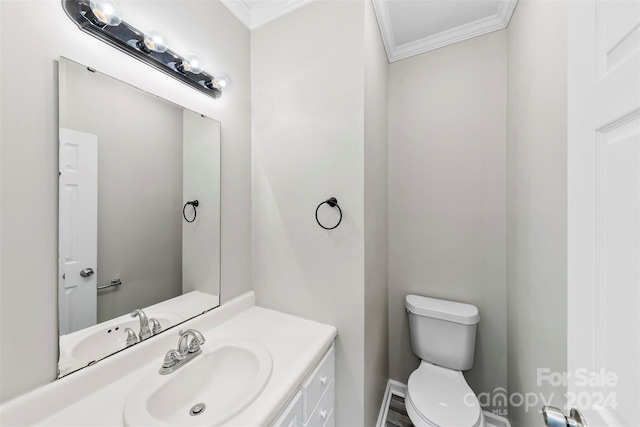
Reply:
x=188 y=348
x=554 y=417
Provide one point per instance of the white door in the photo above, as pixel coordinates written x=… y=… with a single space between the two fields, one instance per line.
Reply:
x=78 y=230
x=604 y=211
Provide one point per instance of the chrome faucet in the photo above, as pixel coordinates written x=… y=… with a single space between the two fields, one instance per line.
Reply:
x=188 y=348
x=145 y=332
x=190 y=345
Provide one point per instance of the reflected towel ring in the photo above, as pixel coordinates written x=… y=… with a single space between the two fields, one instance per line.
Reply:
x=193 y=203
x=333 y=202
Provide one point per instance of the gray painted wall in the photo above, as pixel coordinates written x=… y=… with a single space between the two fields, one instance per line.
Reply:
x=307 y=145
x=537 y=201
x=376 y=296
x=35 y=34
x=139 y=186
x=447 y=191
x=201 y=238
x=319 y=130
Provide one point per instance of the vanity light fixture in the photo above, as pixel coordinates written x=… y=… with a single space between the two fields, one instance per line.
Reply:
x=190 y=64
x=221 y=81
x=102 y=19
x=153 y=41
x=106 y=12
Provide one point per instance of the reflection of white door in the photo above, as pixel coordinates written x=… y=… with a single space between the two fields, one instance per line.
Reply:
x=604 y=211
x=78 y=230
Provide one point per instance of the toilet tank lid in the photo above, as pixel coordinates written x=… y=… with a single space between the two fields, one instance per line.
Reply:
x=465 y=314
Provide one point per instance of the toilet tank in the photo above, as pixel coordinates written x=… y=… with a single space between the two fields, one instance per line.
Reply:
x=443 y=332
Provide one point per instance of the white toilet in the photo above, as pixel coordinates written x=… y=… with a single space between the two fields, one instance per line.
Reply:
x=443 y=335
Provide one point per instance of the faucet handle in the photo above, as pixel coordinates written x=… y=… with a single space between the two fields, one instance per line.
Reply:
x=171 y=358
x=131 y=337
x=156 y=327
x=195 y=333
x=190 y=341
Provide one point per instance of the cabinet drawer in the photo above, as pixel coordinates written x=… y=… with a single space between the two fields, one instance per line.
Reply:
x=292 y=415
x=331 y=421
x=318 y=382
x=323 y=412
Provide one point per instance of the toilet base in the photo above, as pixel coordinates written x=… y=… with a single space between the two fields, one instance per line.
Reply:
x=418 y=421
x=398 y=389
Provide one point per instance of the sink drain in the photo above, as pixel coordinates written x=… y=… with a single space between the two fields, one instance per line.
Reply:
x=197 y=409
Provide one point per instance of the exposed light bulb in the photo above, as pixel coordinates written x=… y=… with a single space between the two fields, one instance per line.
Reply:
x=154 y=41
x=106 y=12
x=190 y=63
x=221 y=82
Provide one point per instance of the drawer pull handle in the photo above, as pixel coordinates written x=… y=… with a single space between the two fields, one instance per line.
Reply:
x=323 y=380
x=323 y=414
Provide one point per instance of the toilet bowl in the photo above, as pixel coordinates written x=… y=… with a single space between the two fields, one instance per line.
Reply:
x=443 y=336
x=440 y=397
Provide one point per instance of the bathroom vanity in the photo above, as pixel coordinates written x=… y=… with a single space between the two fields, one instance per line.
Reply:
x=258 y=367
x=312 y=405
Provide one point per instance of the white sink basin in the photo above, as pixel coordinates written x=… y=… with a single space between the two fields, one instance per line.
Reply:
x=105 y=340
x=225 y=378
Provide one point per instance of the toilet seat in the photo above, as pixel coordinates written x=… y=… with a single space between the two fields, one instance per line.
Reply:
x=440 y=397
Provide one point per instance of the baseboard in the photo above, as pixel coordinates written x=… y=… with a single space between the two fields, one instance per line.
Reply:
x=493 y=420
x=393 y=387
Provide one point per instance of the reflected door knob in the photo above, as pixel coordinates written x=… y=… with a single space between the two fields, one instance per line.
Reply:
x=87 y=272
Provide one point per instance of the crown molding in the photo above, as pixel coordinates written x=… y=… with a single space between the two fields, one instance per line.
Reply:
x=486 y=25
x=273 y=10
x=254 y=17
x=240 y=9
x=384 y=23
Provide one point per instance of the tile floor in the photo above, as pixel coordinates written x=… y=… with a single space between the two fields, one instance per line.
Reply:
x=397 y=415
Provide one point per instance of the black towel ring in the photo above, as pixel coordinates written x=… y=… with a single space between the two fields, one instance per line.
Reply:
x=193 y=203
x=333 y=202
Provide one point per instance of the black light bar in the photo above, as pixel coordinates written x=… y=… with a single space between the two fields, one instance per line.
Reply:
x=130 y=40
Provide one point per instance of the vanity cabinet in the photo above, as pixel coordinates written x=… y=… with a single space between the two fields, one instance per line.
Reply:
x=118 y=391
x=312 y=405
x=292 y=415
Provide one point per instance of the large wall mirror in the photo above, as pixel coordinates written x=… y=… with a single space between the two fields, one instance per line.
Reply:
x=139 y=215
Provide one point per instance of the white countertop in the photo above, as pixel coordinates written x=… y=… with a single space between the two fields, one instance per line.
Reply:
x=96 y=396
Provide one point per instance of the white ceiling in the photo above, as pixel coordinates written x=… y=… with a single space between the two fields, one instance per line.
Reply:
x=254 y=13
x=408 y=27
x=411 y=27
